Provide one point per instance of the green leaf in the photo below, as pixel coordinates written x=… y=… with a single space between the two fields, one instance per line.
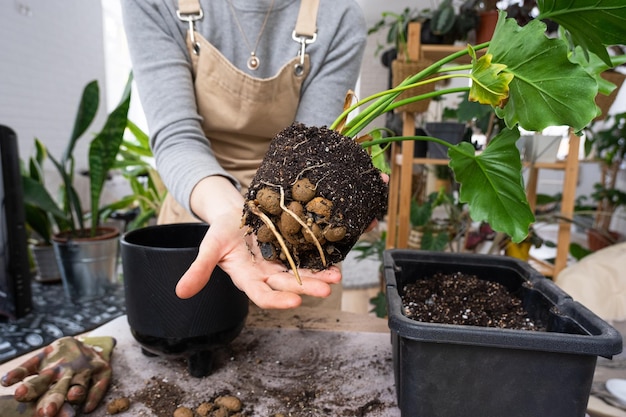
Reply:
x=142 y=138
x=578 y=251
x=592 y=25
x=36 y=194
x=490 y=84
x=379 y=304
x=548 y=89
x=492 y=185
x=434 y=242
x=39 y=222
x=87 y=111
x=104 y=148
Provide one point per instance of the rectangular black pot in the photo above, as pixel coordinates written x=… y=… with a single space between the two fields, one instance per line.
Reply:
x=444 y=370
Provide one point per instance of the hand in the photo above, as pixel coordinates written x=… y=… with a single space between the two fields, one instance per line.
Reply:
x=66 y=370
x=268 y=284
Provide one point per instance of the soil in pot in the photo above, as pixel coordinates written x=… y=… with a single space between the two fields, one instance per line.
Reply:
x=466 y=300
x=319 y=191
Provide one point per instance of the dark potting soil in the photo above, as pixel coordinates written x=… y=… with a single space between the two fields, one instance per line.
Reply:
x=347 y=194
x=467 y=300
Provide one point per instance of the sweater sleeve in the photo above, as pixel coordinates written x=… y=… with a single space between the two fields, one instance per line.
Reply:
x=163 y=74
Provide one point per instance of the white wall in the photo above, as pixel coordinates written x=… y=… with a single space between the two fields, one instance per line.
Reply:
x=50 y=51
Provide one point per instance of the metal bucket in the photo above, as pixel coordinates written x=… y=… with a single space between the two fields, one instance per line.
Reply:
x=88 y=266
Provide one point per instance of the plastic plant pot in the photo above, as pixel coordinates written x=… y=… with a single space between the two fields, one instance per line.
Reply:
x=153 y=260
x=448 y=370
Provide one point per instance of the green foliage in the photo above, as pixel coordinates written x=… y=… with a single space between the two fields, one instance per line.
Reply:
x=531 y=82
x=371 y=248
x=436 y=234
x=609 y=142
x=135 y=162
x=69 y=214
x=43 y=215
x=379 y=304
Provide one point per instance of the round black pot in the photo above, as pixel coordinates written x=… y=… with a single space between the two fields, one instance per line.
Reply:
x=153 y=260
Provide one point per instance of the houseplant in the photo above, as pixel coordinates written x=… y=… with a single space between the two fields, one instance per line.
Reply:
x=517 y=68
x=87 y=253
x=42 y=214
x=135 y=161
x=506 y=77
x=429 y=231
x=606 y=140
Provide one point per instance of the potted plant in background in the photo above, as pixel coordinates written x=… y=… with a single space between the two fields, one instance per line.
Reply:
x=435 y=231
x=86 y=251
x=606 y=141
x=135 y=161
x=42 y=216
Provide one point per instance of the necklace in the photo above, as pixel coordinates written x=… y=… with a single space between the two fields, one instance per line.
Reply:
x=253 y=62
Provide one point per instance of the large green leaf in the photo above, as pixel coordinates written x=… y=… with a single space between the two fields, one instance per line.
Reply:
x=591 y=24
x=36 y=194
x=548 y=89
x=492 y=185
x=104 y=148
x=87 y=110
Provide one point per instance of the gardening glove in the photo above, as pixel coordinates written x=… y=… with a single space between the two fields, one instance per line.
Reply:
x=10 y=407
x=66 y=370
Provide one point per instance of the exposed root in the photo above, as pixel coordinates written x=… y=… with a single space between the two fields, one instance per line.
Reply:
x=308 y=169
x=268 y=222
x=305 y=227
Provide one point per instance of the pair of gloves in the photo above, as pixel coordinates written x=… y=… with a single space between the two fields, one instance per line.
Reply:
x=67 y=372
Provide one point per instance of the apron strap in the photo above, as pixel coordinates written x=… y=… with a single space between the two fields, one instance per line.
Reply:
x=189 y=11
x=305 y=32
x=306 y=25
x=189 y=7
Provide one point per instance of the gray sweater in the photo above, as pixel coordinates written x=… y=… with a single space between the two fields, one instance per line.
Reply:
x=162 y=70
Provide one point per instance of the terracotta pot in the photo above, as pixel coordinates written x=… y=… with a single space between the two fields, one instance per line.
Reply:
x=597 y=239
x=487 y=25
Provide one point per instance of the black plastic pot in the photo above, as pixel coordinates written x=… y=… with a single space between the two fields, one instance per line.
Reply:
x=452 y=370
x=451 y=132
x=153 y=260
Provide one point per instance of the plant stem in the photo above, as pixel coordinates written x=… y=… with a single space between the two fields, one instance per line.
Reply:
x=385 y=99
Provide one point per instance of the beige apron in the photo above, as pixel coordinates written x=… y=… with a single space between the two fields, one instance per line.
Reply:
x=241 y=114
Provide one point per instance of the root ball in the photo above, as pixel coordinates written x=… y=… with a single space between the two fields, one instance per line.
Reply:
x=337 y=168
